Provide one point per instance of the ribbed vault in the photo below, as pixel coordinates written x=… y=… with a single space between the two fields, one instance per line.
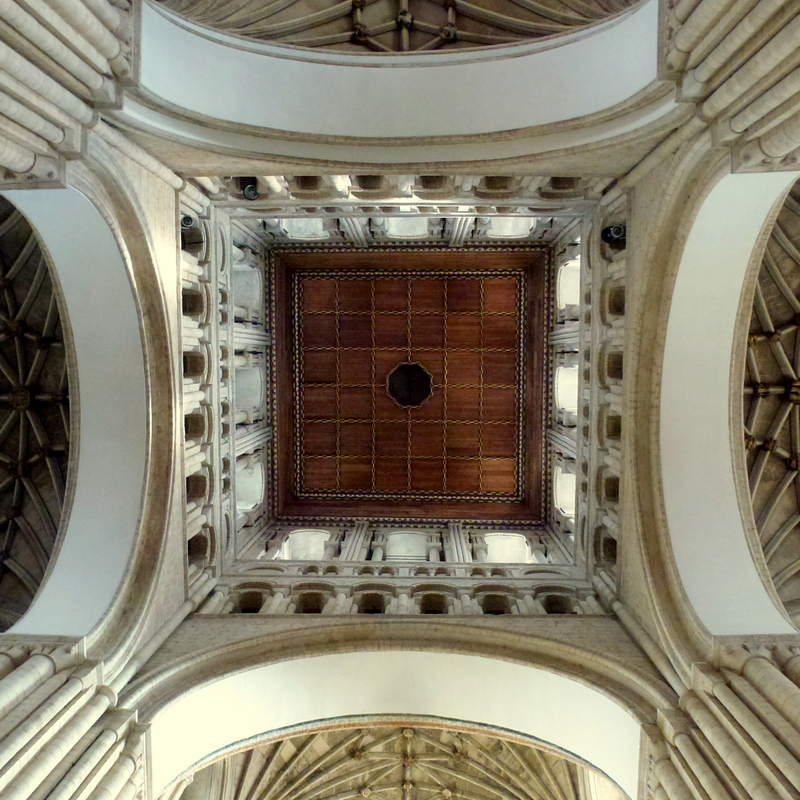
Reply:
x=772 y=404
x=34 y=415
x=393 y=763
x=397 y=25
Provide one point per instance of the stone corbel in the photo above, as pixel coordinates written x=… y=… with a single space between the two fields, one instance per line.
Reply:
x=778 y=149
x=45 y=172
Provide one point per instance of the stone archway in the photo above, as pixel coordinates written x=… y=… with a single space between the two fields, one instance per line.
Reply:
x=710 y=536
x=272 y=701
x=111 y=407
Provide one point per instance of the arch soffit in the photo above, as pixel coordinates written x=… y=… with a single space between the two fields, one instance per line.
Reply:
x=268 y=701
x=397 y=110
x=94 y=233
x=670 y=198
x=125 y=206
x=717 y=561
x=636 y=687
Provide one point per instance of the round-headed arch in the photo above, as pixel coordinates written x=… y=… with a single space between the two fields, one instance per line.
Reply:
x=104 y=501
x=272 y=701
x=712 y=534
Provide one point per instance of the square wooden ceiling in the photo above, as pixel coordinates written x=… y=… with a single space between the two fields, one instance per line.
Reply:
x=470 y=445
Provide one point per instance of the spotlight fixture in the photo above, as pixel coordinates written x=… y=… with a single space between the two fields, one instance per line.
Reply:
x=249 y=188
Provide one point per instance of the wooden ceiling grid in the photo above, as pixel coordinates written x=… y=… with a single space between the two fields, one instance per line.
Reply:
x=466 y=320
x=464 y=330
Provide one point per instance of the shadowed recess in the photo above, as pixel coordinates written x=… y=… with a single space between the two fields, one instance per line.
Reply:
x=409 y=385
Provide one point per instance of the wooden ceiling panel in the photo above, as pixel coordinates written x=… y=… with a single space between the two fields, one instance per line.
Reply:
x=474 y=322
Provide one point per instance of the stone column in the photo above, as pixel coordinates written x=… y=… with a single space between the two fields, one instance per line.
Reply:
x=403 y=603
x=532 y=606
x=715 y=684
x=378 y=547
x=118 y=776
x=467 y=605
x=331 y=546
x=433 y=547
x=215 y=602
x=705 y=774
x=45 y=713
x=19 y=683
x=354 y=542
x=602 y=583
x=671 y=783
x=199 y=591
x=128 y=791
x=592 y=606
x=788 y=658
x=735 y=758
x=337 y=604
x=273 y=603
x=456 y=544
x=275 y=546
x=757 y=667
x=91 y=757
x=48 y=757
x=480 y=548
x=10 y=659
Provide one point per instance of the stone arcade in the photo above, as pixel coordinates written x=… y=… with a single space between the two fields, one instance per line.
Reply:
x=248 y=552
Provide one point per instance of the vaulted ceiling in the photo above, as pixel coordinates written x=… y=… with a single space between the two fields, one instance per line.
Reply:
x=34 y=415
x=398 y=25
x=772 y=404
x=392 y=763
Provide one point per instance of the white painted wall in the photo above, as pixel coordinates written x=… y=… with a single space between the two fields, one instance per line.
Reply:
x=249 y=387
x=564 y=488
x=471 y=689
x=247 y=287
x=111 y=411
x=288 y=89
x=406 y=545
x=305 y=545
x=507 y=548
x=705 y=524
x=250 y=487
x=568 y=284
x=567 y=379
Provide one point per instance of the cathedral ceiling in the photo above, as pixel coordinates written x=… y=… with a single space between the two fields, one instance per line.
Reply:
x=387 y=26
x=772 y=404
x=366 y=330
x=34 y=415
x=390 y=763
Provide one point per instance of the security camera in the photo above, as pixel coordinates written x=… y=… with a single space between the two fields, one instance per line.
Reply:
x=613 y=234
x=249 y=188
